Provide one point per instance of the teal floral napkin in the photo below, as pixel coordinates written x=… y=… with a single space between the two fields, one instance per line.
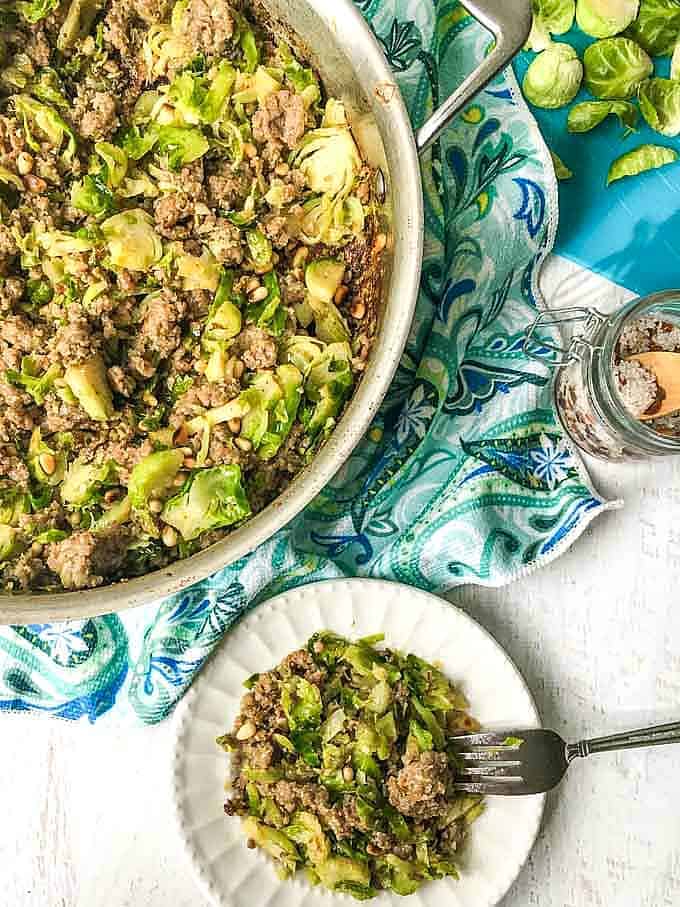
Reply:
x=464 y=476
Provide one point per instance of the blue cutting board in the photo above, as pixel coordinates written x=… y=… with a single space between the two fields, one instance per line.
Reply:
x=629 y=232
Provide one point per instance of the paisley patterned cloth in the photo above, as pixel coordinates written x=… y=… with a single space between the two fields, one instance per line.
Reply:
x=463 y=477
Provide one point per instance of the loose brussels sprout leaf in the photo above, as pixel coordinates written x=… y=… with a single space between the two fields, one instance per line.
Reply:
x=35 y=10
x=251 y=53
x=660 y=105
x=615 y=68
x=562 y=172
x=283 y=415
x=657 y=26
x=329 y=159
x=136 y=143
x=90 y=386
x=675 y=63
x=307 y=831
x=225 y=322
x=11 y=179
x=605 y=18
x=329 y=325
x=586 y=116
x=551 y=17
x=264 y=84
x=59 y=244
x=116 y=161
x=213 y=499
x=10 y=542
x=92 y=196
x=132 y=241
x=200 y=101
x=553 y=79
x=268 y=314
x=302 y=351
x=262 y=397
x=323 y=277
x=117 y=514
x=49 y=88
x=153 y=475
x=83 y=481
x=46 y=465
x=47 y=121
x=182 y=146
x=198 y=273
x=279 y=847
x=78 y=22
x=336 y=873
x=260 y=249
x=38 y=386
x=646 y=157
x=329 y=381
x=301 y=702
x=248 y=214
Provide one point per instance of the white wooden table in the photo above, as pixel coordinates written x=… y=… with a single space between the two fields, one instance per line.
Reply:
x=85 y=817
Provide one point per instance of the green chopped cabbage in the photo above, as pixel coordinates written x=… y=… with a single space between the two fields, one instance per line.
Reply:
x=35 y=10
x=93 y=196
x=182 y=145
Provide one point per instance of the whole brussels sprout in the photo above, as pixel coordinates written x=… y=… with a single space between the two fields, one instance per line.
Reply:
x=615 y=68
x=605 y=18
x=554 y=77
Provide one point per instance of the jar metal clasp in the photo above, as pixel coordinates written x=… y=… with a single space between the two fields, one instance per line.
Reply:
x=591 y=321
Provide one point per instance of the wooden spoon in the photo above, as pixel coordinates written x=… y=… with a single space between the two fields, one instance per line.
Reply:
x=666 y=368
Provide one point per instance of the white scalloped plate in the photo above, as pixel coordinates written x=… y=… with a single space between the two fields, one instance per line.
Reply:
x=233 y=876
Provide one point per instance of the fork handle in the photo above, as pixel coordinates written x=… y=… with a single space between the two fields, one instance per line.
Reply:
x=652 y=736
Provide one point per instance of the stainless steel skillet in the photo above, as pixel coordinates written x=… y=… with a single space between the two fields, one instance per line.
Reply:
x=352 y=66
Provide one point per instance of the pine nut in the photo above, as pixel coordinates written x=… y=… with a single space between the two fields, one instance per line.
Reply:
x=348 y=773
x=35 y=183
x=169 y=536
x=181 y=436
x=281 y=169
x=300 y=257
x=358 y=310
x=200 y=366
x=340 y=294
x=24 y=163
x=252 y=285
x=246 y=731
x=113 y=494
x=243 y=444
x=155 y=506
x=239 y=369
x=48 y=463
x=259 y=294
x=249 y=150
x=379 y=242
x=234 y=426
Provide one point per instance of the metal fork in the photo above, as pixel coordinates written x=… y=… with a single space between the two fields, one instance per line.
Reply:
x=514 y=763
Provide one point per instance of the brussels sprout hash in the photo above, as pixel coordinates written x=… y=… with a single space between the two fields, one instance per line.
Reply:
x=341 y=765
x=188 y=268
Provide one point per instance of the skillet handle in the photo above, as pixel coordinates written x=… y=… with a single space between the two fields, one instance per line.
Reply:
x=510 y=23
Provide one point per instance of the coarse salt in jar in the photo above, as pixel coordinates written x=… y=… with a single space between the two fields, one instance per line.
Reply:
x=600 y=391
